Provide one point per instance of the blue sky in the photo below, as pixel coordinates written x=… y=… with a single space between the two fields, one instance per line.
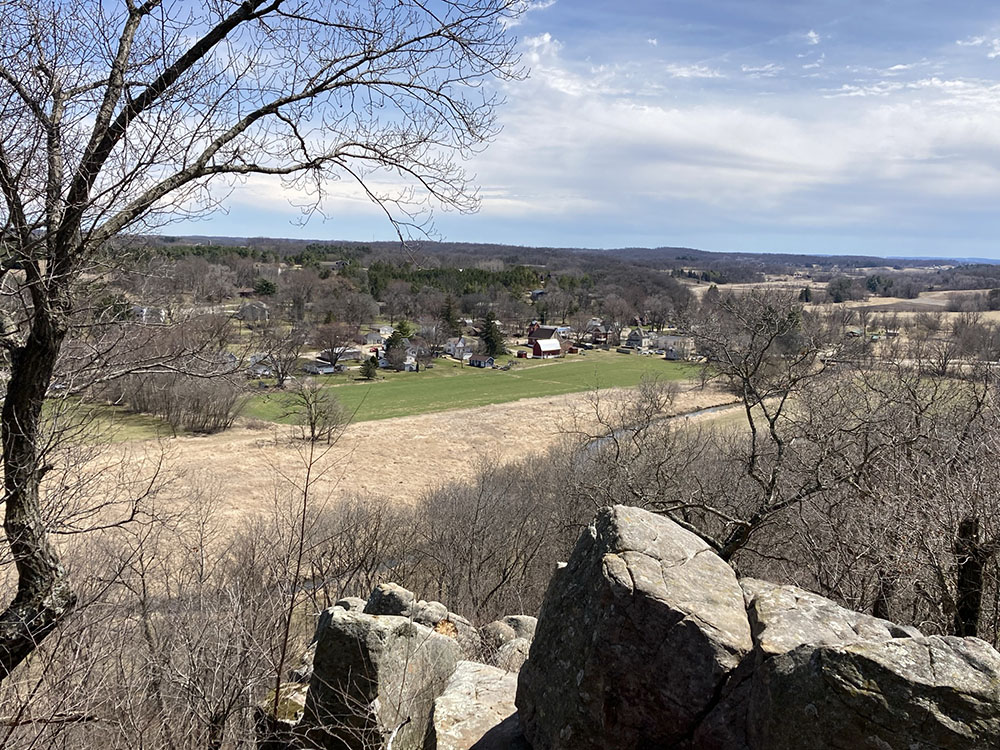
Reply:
x=767 y=125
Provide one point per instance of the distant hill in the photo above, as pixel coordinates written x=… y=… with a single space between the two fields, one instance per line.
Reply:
x=658 y=256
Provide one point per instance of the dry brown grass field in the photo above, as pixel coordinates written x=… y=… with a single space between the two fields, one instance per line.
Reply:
x=400 y=458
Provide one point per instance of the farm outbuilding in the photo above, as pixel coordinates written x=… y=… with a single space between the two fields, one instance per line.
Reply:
x=481 y=360
x=546 y=348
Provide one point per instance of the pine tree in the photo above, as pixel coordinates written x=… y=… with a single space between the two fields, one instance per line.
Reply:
x=395 y=341
x=492 y=339
x=369 y=368
x=449 y=319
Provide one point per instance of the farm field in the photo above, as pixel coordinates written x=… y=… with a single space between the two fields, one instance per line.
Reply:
x=448 y=385
x=401 y=458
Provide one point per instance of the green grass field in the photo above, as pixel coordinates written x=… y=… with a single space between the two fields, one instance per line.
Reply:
x=104 y=423
x=451 y=386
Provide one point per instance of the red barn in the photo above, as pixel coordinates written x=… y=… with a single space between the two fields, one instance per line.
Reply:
x=546 y=348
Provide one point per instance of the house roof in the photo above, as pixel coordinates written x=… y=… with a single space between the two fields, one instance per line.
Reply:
x=548 y=345
x=544 y=332
x=480 y=358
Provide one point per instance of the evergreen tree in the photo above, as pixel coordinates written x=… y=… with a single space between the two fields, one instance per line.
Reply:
x=395 y=341
x=449 y=319
x=265 y=287
x=369 y=368
x=492 y=339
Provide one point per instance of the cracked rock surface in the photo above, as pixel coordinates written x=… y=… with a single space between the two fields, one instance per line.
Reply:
x=635 y=638
x=935 y=693
x=646 y=641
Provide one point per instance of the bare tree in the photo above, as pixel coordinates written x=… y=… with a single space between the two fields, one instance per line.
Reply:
x=316 y=411
x=767 y=351
x=298 y=289
x=121 y=116
x=333 y=340
x=617 y=314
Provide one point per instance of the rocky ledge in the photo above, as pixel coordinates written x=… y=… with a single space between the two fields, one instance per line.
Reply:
x=646 y=641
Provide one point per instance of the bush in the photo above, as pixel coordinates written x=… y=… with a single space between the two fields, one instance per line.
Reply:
x=185 y=402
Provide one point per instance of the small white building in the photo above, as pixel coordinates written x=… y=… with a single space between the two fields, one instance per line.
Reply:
x=319 y=367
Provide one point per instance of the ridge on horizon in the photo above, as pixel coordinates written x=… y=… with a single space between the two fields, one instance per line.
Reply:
x=854 y=259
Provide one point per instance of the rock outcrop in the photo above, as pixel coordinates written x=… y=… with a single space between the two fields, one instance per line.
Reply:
x=523 y=625
x=512 y=655
x=636 y=638
x=646 y=640
x=351 y=603
x=505 y=643
x=493 y=636
x=935 y=693
x=374 y=676
x=375 y=669
x=476 y=711
x=785 y=617
x=389 y=599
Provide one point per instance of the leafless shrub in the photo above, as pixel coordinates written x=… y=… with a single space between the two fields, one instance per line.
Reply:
x=316 y=410
x=184 y=402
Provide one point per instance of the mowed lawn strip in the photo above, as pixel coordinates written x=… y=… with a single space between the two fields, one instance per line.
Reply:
x=451 y=386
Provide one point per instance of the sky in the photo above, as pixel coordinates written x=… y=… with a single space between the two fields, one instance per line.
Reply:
x=823 y=126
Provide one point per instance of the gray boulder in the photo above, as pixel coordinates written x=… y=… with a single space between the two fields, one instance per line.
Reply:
x=801 y=642
x=522 y=625
x=389 y=599
x=351 y=603
x=464 y=633
x=372 y=676
x=935 y=693
x=429 y=613
x=493 y=635
x=785 y=617
x=476 y=711
x=513 y=654
x=635 y=639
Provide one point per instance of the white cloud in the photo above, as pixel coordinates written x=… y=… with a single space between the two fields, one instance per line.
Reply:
x=878 y=88
x=812 y=37
x=652 y=42
x=692 y=71
x=543 y=44
x=979 y=41
x=770 y=70
x=525 y=7
x=605 y=144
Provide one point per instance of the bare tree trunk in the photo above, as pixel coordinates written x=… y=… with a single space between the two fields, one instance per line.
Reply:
x=43 y=596
x=971 y=556
x=883 y=595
